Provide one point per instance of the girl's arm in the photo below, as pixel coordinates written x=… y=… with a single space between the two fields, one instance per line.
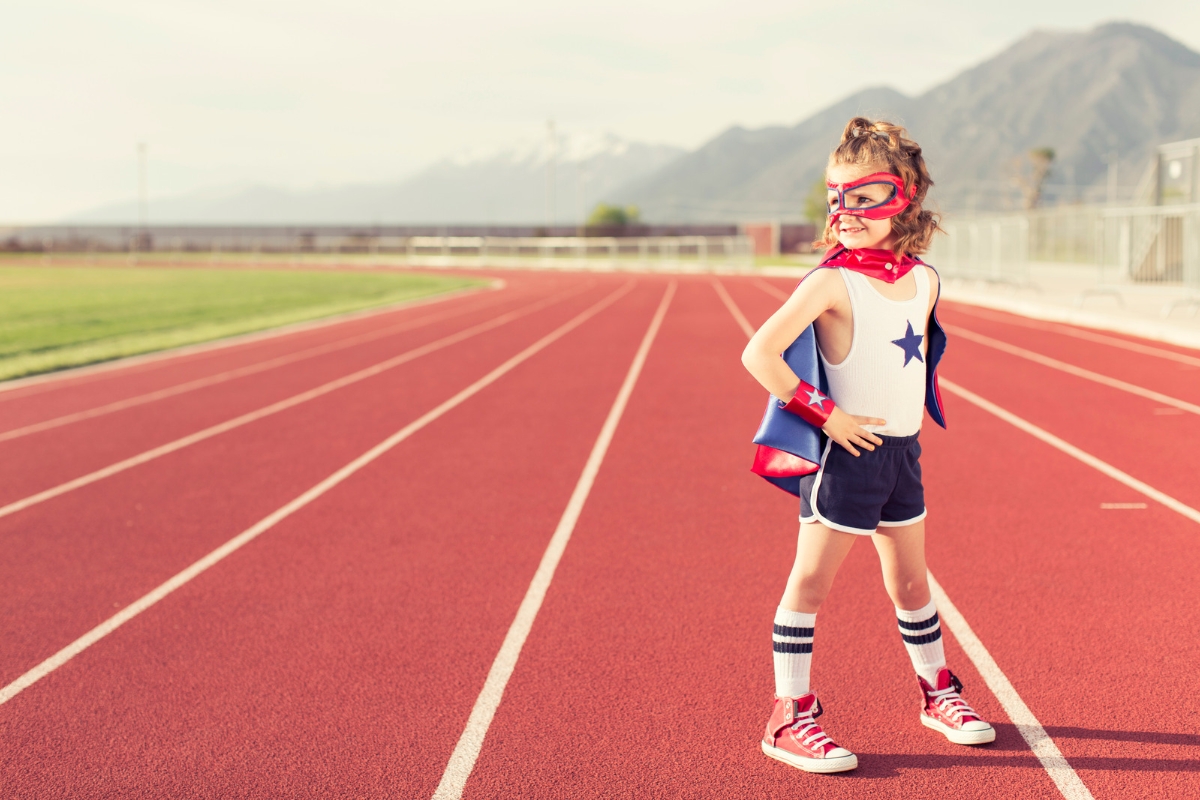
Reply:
x=762 y=358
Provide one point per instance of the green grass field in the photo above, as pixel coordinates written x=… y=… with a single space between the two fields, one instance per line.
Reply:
x=57 y=317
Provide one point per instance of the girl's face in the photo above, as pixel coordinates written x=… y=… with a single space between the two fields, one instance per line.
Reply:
x=859 y=232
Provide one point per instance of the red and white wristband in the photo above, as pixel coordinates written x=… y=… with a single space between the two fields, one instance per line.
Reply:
x=809 y=404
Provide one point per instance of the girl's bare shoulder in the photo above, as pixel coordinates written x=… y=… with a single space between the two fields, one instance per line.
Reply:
x=823 y=286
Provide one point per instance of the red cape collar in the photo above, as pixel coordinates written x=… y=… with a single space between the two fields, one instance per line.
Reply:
x=872 y=262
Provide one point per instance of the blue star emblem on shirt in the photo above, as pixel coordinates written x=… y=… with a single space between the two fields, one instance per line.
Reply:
x=911 y=345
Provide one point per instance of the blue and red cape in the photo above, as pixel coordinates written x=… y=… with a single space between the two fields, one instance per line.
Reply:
x=789 y=447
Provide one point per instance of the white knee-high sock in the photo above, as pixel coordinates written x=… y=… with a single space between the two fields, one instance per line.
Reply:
x=792 y=640
x=922 y=634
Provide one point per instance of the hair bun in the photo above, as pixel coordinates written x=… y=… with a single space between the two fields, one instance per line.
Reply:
x=857 y=132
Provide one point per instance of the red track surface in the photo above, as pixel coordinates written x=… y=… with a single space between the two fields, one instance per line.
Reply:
x=340 y=654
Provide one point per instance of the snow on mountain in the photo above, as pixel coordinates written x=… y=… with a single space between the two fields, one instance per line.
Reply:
x=490 y=186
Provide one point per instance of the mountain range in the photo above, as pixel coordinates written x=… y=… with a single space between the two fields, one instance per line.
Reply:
x=1105 y=96
x=507 y=185
x=1109 y=94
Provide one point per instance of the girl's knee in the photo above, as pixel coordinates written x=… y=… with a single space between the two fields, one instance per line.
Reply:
x=912 y=593
x=812 y=590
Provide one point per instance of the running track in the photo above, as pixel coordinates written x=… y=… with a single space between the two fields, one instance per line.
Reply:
x=365 y=617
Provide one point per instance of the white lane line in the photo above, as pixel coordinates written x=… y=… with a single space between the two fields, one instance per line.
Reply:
x=1073 y=451
x=774 y=291
x=1071 y=369
x=48 y=380
x=1031 y=730
x=1064 y=777
x=738 y=316
x=1079 y=333
x=275 y=408
x=228 y=375
x=146 y=601
x=466 y=752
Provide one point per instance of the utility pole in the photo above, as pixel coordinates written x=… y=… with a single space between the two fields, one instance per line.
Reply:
x=551 y=158
x=582 y=174
x=1112 y=178
x=143 y=203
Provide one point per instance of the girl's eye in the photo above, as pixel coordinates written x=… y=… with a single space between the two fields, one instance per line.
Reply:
x=862 y=200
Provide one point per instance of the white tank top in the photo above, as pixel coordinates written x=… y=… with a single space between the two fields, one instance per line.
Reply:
x=884 y=373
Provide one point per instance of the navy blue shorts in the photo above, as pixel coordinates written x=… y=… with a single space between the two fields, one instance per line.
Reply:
x=880 y=488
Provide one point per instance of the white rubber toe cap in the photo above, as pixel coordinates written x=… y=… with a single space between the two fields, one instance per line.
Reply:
x=838 y=760
x=965 y=735
x=976 y=725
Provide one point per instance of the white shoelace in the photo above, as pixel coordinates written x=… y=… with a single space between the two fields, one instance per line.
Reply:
x=816 y=738
x=950 y=702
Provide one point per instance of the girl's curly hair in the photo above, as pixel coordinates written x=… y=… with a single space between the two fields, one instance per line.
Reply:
x=882 y=145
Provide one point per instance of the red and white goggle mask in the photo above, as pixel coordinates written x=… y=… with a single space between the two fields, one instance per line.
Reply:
x=877 y=196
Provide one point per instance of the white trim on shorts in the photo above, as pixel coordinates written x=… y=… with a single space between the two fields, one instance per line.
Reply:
x=902 y=523
x=812 y=502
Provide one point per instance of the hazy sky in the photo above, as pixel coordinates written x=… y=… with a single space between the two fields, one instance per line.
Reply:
x=301 y=93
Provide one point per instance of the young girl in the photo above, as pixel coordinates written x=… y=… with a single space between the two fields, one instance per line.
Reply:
x=860 y=344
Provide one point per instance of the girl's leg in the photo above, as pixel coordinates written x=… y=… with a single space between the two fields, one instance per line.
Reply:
x=902 y=557
x=819 y=553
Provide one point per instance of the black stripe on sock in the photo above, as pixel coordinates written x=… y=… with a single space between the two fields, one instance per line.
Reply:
x=916 y=626
x=792 y=647
x=784 y=630
x=924 y=638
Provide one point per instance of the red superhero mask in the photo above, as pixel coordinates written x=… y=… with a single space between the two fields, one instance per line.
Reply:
x=877 y=196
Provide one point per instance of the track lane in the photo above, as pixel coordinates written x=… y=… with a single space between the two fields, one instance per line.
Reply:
x=144 y=525
x=1159 y=374
x=1113 y=425
x=329 y=658
x=1110 y=338
x=57 y=460
x=1176 y=404
x=649 y=671
x=466 y=751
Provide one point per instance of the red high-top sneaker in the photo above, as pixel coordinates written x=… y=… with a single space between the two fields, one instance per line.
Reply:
x=794 y=738
x=947 y=713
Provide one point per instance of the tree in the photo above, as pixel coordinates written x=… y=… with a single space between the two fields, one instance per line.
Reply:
x=1032 y=179
x=816 y=207
x=604 y=215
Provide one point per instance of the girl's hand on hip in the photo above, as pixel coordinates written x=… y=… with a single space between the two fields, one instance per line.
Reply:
x=848 y=431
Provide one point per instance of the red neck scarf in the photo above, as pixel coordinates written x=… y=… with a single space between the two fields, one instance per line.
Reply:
x=872 y=262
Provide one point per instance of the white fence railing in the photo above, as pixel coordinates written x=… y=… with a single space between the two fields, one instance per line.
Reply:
x=995 y=249
x=1118 y=248
x=576 y=250
x=682 y=253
